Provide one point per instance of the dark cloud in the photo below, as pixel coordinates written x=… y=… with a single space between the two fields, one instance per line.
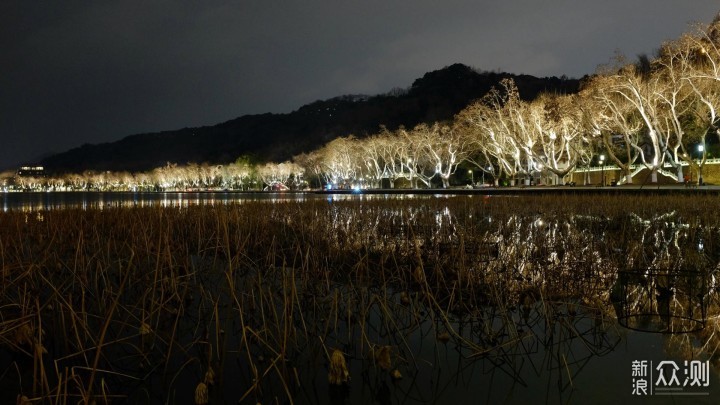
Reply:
x=96 y=71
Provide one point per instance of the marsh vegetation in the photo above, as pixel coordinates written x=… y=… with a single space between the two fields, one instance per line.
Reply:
x=413 y=300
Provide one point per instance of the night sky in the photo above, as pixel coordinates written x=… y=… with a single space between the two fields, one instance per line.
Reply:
x=96 y=71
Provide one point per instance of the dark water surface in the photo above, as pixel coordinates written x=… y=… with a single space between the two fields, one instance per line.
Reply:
x=509 y=344
x=44 y=201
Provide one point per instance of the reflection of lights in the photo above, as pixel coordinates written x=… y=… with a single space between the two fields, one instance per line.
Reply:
x=701 y=245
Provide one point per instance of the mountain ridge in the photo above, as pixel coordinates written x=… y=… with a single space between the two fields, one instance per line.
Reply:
x=436 y=96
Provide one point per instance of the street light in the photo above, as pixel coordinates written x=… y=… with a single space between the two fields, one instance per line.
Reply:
x=539 y=167
x=472 y=177
x=701 y=149
x=602 y=163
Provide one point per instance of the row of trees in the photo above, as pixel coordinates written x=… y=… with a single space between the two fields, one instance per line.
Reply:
x=660 y=108
x=648 y=114
x=240 y=175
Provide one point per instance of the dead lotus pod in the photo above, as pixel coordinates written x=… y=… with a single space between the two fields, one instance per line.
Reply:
x=338 y=373
x=210 y=376
x=382 y=357
x=201 y=394
x=24 y=335
x=23 y=400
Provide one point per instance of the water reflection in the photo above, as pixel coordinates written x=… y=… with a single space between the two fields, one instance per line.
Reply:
x=494 y=351
x=662 y=301
x=468 y=301
x=658 y=273
x=44 y=201
x=94 y=200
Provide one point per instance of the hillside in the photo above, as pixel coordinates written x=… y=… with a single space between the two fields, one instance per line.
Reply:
x=437 y=96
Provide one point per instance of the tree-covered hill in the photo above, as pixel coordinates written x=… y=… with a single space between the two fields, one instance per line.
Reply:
x=437 y=96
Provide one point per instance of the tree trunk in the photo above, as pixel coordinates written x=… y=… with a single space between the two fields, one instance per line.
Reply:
x=445 y=181
x=653 y=175
x=700 y=178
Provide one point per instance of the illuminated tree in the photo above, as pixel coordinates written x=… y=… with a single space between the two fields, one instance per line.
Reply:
x=312 y=165
x=443 y=147
x=209 y=175
x=166 y=177
x=143 y=181
x=501 y=131
x=372 y=151
x=340 y=163
x=658 y=98
x=559 y=134
x=388 y=155
x=56 y=183
x=235 y=175
x=279 y=175
x=413 y=160
x=484 y=153
x=7 y=179
x=124 y=180
x=695 y=60
x=613 y=120
x=676 y=104
x=29 y=183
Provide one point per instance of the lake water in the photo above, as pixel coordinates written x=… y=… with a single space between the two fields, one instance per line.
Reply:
x=603 y=323
x=45 y=201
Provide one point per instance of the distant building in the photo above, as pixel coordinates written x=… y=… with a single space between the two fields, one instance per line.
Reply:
x=31 y=171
